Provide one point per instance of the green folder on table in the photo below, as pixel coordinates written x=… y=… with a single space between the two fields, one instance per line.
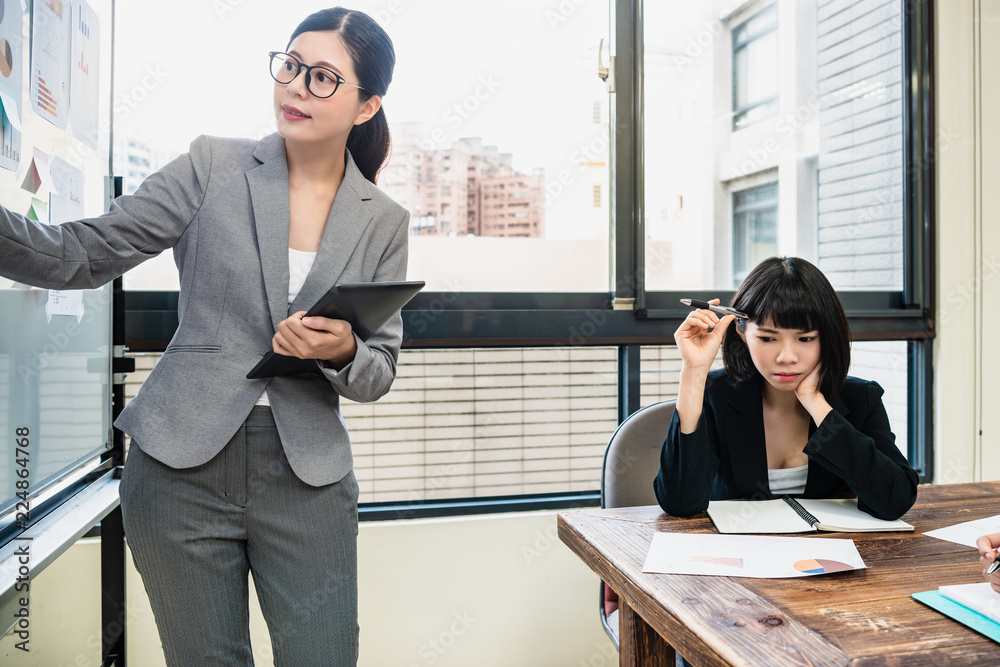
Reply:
x=972 y=619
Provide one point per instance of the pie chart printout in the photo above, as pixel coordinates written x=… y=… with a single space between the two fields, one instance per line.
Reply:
x=6 y=58
x=821 y=566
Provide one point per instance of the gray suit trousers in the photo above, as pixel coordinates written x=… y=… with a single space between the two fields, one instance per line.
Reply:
x=195 y=533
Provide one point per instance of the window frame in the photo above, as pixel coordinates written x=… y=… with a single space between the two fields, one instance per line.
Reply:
x=740 y=44
x=635 y=317
x=741 y=228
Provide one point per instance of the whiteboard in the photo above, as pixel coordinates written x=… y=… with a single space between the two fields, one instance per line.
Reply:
x=55 y=165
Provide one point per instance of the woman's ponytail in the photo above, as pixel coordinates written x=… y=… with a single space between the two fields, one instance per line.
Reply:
x=369 y=144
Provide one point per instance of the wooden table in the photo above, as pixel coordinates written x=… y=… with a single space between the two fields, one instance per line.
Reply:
x=862 y=617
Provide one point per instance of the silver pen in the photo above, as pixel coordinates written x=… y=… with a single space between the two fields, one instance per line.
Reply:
x=695 y=303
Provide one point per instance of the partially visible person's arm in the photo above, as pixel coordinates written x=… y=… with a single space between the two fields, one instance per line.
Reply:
x=989 y=546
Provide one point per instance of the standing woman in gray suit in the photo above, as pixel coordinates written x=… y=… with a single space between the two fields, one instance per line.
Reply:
x=228 y=476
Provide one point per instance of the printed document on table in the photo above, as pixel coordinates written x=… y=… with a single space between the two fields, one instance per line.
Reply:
x=755 y=556
x=967 y=532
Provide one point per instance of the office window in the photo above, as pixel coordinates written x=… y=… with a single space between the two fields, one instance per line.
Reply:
x=465 y=111
x=535 y=168
x=833 y=144
x=480 y=422
x=466 y=423
x=755 y=228
x=755 y=68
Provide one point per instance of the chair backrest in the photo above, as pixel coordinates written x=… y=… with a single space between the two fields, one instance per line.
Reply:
x=633 y=457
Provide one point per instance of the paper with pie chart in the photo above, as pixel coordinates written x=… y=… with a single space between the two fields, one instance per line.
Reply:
x=11 y=25
x=756 y=556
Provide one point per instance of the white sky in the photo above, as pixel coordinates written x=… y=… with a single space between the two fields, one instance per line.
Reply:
x=540 y=56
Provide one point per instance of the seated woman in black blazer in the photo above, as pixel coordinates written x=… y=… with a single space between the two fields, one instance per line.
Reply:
x=782 y=417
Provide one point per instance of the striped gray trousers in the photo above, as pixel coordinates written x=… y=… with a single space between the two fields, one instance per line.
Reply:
x=196 y=533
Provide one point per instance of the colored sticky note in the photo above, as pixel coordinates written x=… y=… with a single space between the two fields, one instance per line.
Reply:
x=38 y=211
x=38 y=174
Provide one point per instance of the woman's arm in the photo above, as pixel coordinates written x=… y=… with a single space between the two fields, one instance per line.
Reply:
x=88 y=253
x=866 y=458
x=689 y=458
x=370 y=373
x=698 y=340
x=688 y=464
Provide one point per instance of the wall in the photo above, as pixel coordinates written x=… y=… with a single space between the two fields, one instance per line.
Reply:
x=494 y=590
x=989 y=257
x=968 y=247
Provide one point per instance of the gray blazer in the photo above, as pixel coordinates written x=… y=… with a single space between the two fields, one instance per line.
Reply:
x=223 y=208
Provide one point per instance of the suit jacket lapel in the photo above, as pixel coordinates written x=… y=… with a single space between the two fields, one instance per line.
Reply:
x=744 y=439
x=269 y=195
x=348 y=219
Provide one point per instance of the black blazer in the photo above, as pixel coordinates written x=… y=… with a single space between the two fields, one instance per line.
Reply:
x=852 y=451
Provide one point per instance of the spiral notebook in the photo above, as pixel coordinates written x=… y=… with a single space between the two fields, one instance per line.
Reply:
x=797 y=515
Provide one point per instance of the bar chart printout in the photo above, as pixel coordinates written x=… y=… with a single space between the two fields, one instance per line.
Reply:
x=50 y=60
x=84 y=85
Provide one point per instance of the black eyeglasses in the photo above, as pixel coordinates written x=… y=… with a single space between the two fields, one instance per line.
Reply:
x=322 y=82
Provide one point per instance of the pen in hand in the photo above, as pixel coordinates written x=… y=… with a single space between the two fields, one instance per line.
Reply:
x=695 y=303
x=994 y=566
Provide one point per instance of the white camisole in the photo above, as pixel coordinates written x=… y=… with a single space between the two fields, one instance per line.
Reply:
x=787 y=481
x=299 y=264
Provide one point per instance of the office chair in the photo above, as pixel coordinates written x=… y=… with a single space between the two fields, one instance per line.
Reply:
x=630 y=464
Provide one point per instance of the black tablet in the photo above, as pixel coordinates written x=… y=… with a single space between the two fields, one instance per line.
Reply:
x=366 y=306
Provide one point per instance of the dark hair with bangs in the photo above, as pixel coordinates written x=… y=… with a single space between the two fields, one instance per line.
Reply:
x=791 y=293
x=373 y=59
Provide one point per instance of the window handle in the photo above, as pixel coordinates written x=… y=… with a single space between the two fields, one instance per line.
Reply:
x=605 y=73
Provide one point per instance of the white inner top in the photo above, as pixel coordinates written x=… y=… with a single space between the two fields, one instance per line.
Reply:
x=299 y=264
x=787 y=481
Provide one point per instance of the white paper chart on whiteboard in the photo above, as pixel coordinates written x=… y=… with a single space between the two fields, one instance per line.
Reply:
x=11 y=76
x=84 y=80
x=50 y=57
